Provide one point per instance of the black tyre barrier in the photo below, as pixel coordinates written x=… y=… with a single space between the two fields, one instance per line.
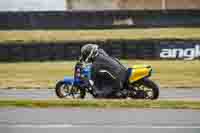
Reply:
x=99 y=19
x=31 y=52
x=4 y=53
x=124 y=49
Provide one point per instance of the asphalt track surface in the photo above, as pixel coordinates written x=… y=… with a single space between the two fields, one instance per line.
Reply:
x=165 y=94
x=51 y=120
x=70 y=120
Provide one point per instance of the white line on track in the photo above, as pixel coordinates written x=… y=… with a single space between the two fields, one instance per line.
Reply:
x=99 y=126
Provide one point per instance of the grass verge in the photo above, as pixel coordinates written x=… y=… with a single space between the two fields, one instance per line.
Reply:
x=171 y=74
x=23 y=36
x=160 y=104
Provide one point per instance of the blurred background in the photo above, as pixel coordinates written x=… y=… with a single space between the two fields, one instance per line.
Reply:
x=162 y=33
x=27 y=5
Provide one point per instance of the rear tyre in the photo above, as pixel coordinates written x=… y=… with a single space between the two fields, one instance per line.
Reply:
x=147 y=88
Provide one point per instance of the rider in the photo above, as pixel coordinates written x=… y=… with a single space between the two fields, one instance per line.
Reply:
x=108 y=73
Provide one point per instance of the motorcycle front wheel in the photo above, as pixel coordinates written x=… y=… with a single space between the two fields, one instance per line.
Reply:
x=145 y=89
x=63 y=90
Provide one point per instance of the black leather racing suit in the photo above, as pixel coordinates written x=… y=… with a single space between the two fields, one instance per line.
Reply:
x=107 y=84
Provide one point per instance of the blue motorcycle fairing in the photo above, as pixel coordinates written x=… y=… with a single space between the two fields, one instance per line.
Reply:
x=77 y=81
x=69 y=80
x=72 y=81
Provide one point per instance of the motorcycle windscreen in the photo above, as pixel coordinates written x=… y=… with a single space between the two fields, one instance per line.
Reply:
x=139 y=72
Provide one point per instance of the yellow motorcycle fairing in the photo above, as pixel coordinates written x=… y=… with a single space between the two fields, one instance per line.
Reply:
x=138 y=72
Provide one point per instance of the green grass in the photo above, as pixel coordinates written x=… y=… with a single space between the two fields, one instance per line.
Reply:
x=161 y=104
x=77 y=35
x=45 y=74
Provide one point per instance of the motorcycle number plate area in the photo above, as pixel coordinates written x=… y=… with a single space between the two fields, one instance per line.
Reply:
x=87 y=72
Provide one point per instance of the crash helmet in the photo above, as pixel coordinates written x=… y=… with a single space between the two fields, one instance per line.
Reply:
x=88 y=52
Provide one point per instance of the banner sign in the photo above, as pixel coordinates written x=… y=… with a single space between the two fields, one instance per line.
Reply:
x=179 y=50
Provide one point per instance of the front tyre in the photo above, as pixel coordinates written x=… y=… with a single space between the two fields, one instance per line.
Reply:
x=148 y=88
x=64 y=90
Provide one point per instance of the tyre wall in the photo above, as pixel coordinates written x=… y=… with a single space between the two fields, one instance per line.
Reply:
x=124 y=49
x=99 y=19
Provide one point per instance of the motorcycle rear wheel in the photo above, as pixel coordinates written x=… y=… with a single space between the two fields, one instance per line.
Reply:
x=147 y=88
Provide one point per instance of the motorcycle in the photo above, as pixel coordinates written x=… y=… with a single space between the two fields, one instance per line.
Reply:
x=137 y=85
